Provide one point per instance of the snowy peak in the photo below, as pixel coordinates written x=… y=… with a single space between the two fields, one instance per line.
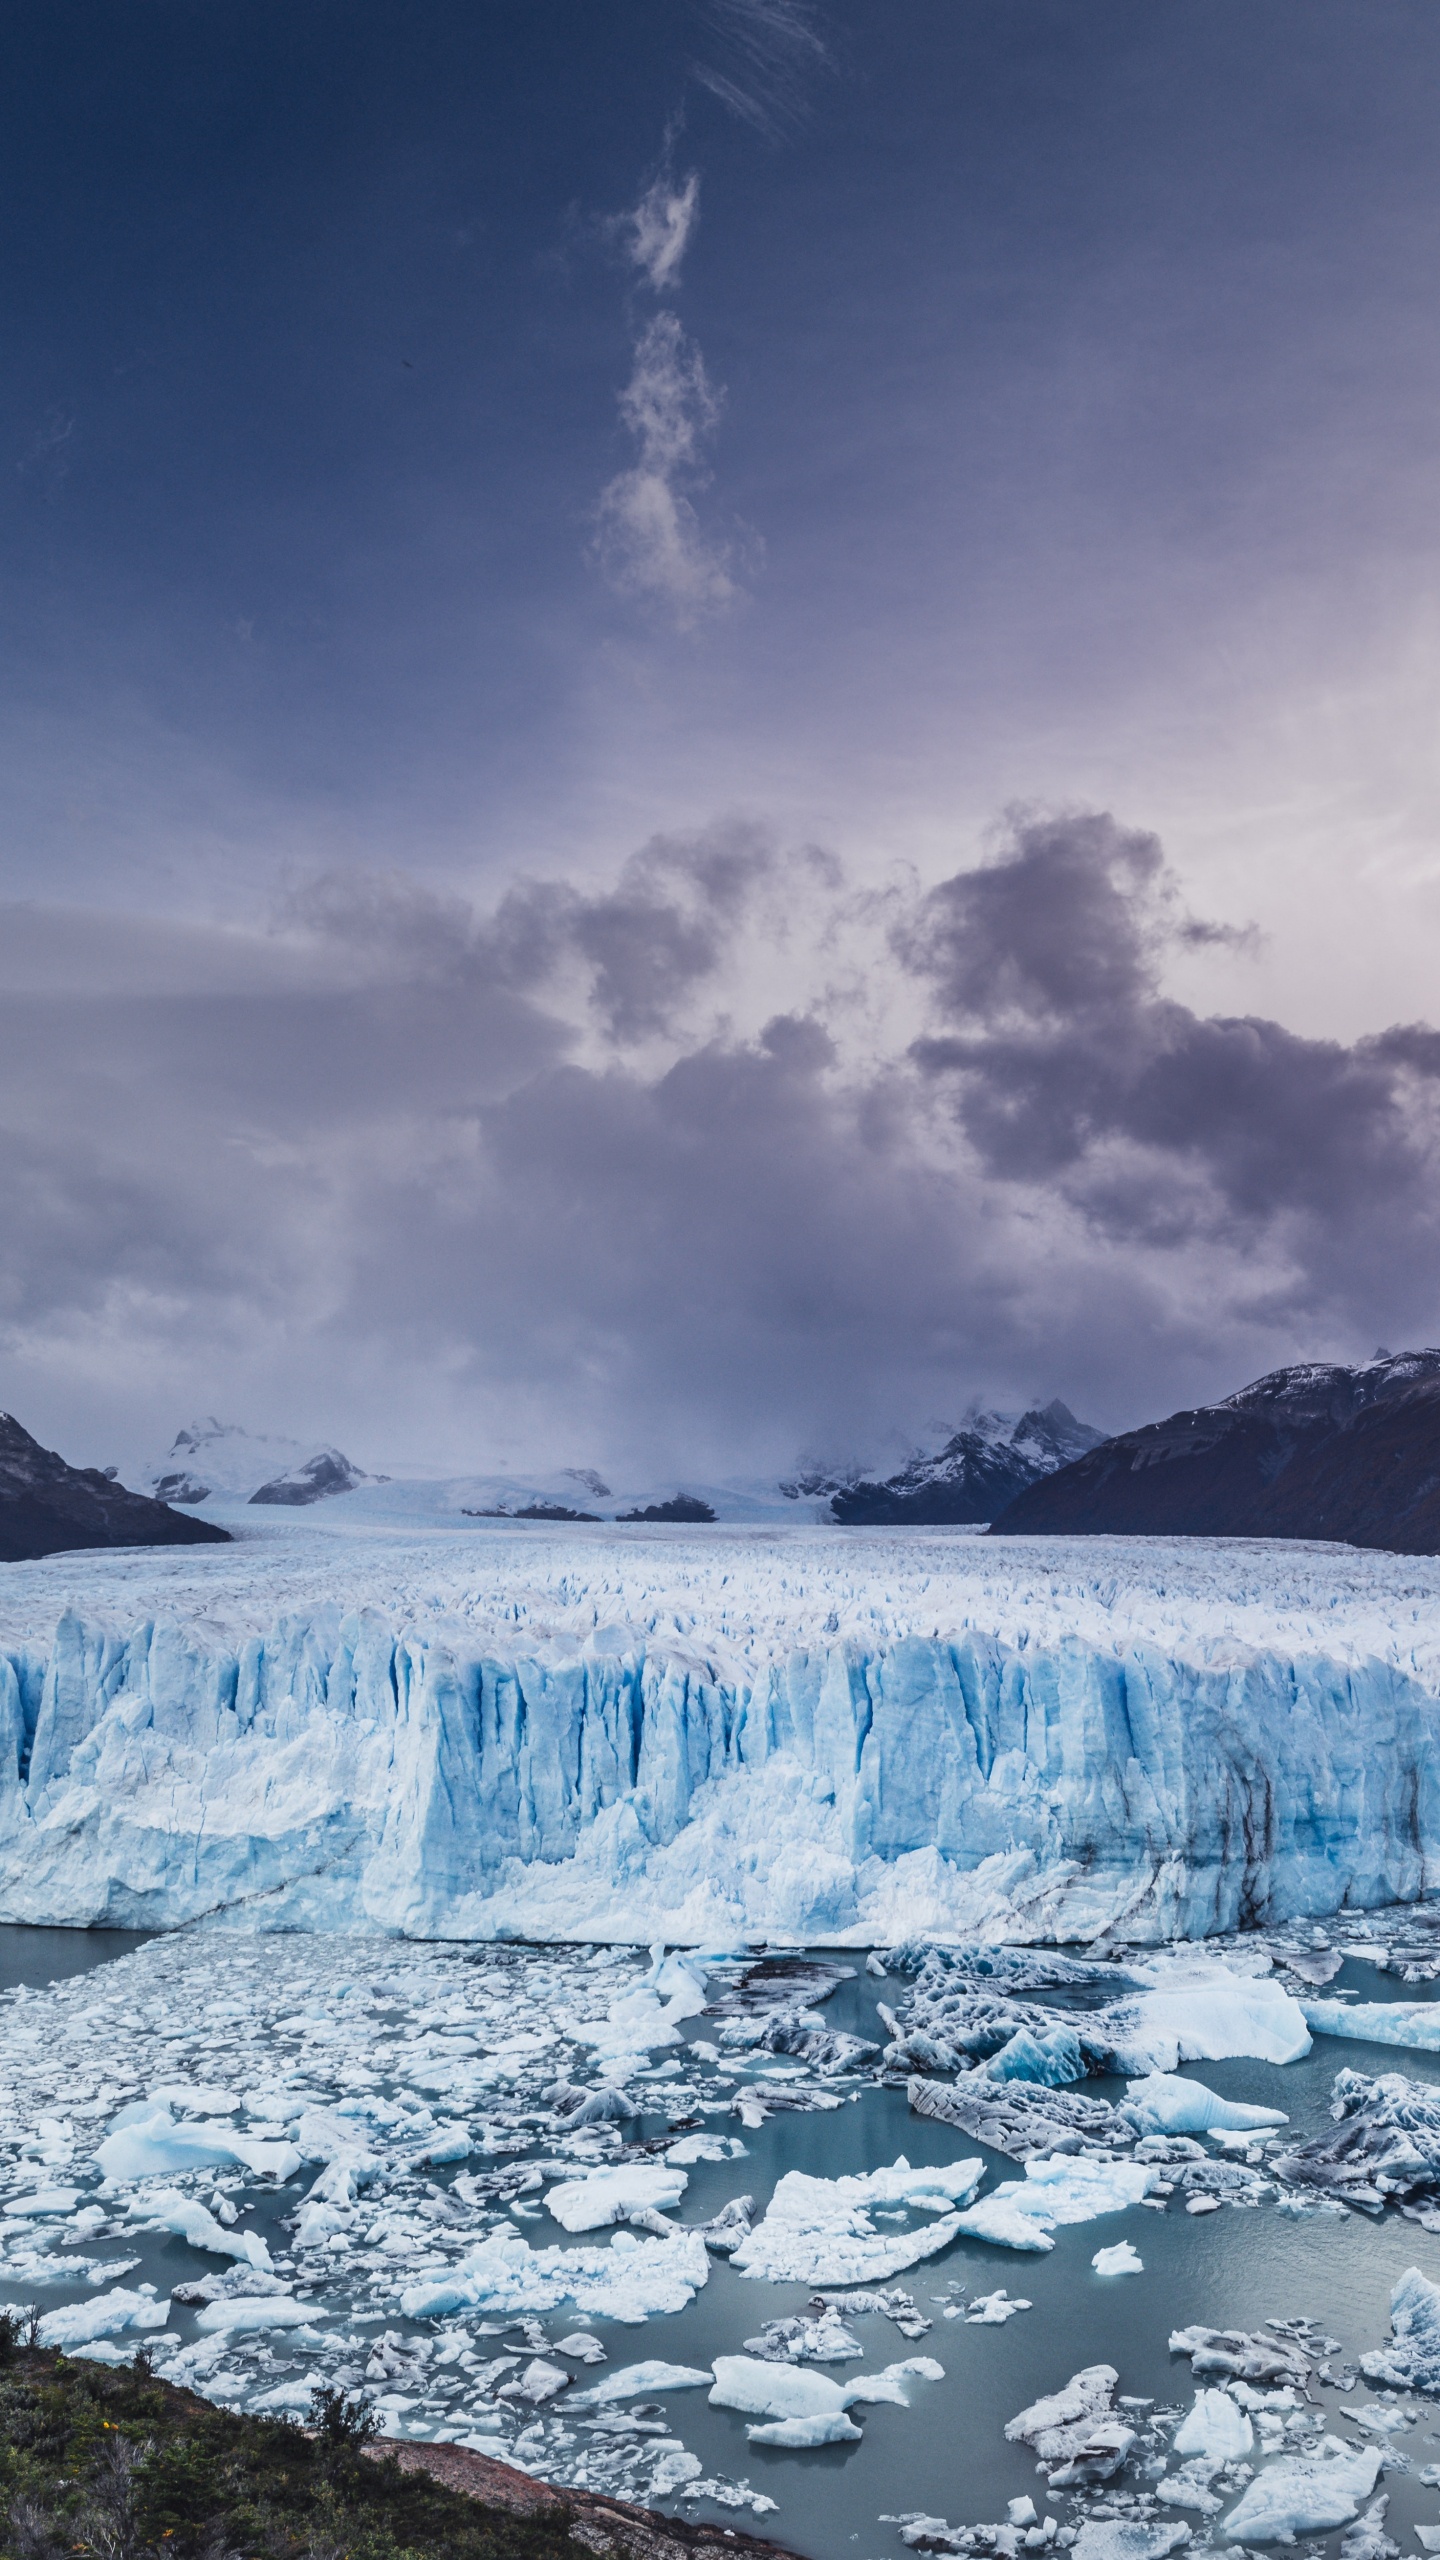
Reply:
x=221 y=1461
x=978 y=1472
x=329 y=1471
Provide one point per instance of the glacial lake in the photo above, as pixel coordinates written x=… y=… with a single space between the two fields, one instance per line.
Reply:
x=945 y=2455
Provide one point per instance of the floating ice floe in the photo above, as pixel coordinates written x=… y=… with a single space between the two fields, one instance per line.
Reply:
x=819 y=2230
x=1412 y=2022
x=1305 y=2493
x=1076 y=2433
x=1411 y=2362
x=1019 y=2117
x=1050 y=2059
x=989 y=2310
x=1216 y=2431
x=810 y=2407
x=258 y=2311
x=1211 y=2015
x=631 y=2280
x=1024 y=2213
x=146 y=2142
x=1164 y=2103
x=1121 y=2260
x=1243 y=2355
x=696 y=2150
x=638 y=2382
x=190 y=2220
x=1387 y=2150
x=612 y=2195
x=80 y=2322
x=1117 y=2539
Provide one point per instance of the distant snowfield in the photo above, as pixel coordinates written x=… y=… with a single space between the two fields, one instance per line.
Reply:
x=784 y=1733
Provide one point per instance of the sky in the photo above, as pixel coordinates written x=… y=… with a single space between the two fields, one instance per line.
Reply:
x=717 y=717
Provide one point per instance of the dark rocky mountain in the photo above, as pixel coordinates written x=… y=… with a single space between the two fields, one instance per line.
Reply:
x=47 y=1507
x=981 y=1469
x=1310 y=1452
x=329 y=1471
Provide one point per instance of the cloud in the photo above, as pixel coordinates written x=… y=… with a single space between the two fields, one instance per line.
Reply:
x=656 y=232
x=1068 y=1064
x=769 y=53
x=609 y=1169
x=650 y=541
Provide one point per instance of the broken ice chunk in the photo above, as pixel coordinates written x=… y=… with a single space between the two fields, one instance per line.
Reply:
x=614 y=2195
x=1411 y=2362
x=1216 y=2431
x=79 y=2322
x=818 y=2230
x=1164 y=2103
x=638 y=2381
x=823 y=2426
x=1305 y=2493
x=1121 y=2260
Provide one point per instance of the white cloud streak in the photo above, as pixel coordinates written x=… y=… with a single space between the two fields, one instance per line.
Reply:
x=657 y=231
x=651 y=542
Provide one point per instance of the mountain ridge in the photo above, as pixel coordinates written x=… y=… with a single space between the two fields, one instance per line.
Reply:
x=979 y=1471
x=1313 y=1450
x=48 y=1507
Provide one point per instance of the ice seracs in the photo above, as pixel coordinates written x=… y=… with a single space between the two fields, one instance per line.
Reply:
x=804 y=1736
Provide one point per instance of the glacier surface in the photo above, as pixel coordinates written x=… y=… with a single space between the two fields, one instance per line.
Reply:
x=807 y=1734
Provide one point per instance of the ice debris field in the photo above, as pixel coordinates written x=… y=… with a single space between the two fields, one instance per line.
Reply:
x=729 y=2232
x=719 y=1737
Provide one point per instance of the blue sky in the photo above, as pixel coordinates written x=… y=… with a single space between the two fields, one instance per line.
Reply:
x=455 y=449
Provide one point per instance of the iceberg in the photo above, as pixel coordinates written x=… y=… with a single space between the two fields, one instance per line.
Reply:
x=637 y=2382
x=818 y=2231
x=808 y=2408
x=1163 y=2103
x=1023 y=2212
x=1212 y=2015
x=79 y=2323
x=478 y=1732
x=193 y=2221
x=505 y=2274
x=1412 y=2360
x=146 y=2142
x=1305 y=2493
x=1412 y=2022
x=1217 y=2430
x=612 y=2195
x=1122 y=2259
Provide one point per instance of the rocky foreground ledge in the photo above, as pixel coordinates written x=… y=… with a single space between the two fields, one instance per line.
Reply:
x=605 y=2526
x=103 y=2459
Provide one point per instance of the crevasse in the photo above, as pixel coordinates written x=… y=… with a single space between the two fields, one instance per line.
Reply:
x=335 y=1772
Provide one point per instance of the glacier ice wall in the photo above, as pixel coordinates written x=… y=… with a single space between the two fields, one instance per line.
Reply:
x=462 y=1771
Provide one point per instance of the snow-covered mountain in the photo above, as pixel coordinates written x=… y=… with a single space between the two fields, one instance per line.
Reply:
x=212 y=1461
x=1312 y=1451
x=979 y=1471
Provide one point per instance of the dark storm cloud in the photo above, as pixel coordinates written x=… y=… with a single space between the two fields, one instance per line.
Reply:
x=1049 y=959
x=552 y=1167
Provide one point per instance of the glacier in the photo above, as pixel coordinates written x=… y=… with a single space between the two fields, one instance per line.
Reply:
x=793 y=1734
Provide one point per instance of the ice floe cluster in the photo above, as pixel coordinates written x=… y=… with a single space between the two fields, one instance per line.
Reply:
x=850 y=1736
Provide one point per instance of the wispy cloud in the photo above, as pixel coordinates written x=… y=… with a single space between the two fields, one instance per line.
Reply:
x=651 y=542
x=656 y=232
x=769 y=52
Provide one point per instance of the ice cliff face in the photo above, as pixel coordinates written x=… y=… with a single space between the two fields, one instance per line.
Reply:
x=611 y=1734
